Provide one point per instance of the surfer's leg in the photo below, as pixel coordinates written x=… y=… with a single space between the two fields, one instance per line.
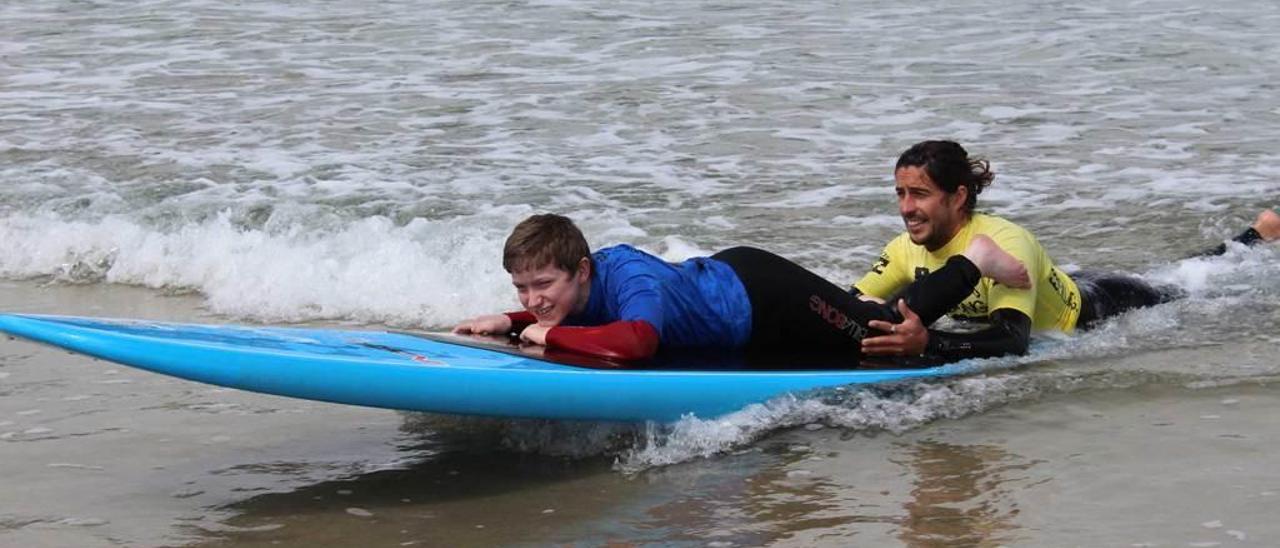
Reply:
x=942 y=290
x=1265 y=228
x=937 y=293
x=795 y=308
x=1106 y=294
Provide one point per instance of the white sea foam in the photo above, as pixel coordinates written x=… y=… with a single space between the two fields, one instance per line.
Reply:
x=1242 y=271
x=649 y=116
x=677 y=249
x=893 y=409
x=423 y=273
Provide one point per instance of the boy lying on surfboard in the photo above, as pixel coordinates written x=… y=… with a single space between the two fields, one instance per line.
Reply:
x=621 y=303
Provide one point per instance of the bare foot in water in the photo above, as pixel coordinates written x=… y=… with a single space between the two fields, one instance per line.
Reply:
x=996 y=264
x=1268 y=225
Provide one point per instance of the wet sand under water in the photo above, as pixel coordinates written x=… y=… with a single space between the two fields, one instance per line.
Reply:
x=95 y=454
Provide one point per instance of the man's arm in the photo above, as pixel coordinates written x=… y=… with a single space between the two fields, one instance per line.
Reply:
x=1009 y=333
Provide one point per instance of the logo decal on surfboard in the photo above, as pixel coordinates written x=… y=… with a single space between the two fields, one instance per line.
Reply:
x=412 y=355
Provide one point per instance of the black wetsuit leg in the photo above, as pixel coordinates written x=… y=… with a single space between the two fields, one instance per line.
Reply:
x=1248 y=237
x=1106 y=294
x=793 y=308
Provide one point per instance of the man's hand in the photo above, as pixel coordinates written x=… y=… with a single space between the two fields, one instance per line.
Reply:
x=536 y=334
x=908 y=338
x=492 y=324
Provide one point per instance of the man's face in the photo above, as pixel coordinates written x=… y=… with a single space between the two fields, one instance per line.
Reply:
x=932 y=215
x=551 y=294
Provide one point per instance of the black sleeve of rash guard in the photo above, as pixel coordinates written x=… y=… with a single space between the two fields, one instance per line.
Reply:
x=1009 y=333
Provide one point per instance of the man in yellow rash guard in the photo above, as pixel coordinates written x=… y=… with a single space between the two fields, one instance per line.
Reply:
x=1053 y=302
x=937 y=186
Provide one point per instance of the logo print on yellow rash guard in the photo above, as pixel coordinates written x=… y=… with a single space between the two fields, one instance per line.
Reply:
x=837 y=318
x=878 y=268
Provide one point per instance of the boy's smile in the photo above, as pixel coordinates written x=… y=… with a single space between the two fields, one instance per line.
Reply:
x=552 y=294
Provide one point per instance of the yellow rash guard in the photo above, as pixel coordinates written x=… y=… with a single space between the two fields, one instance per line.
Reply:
x=1053 y=302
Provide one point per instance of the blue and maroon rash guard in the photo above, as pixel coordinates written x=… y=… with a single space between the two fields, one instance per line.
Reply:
x=638 y=302
x=696 y=303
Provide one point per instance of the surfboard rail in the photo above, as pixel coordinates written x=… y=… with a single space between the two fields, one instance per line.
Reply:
x=427 y=373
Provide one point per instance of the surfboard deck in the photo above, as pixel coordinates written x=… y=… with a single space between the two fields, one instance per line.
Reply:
x=438 y=373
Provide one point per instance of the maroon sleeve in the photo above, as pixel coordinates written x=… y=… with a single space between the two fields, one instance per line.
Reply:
x=622 y=340
x=523 y=317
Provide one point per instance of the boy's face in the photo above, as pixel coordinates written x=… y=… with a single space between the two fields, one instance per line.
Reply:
x=551 y=294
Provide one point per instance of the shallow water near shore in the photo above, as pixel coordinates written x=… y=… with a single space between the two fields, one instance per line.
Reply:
x=1116 y=451
x=361 y=164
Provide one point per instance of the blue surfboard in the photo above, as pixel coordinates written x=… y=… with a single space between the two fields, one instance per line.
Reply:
x=437 y=373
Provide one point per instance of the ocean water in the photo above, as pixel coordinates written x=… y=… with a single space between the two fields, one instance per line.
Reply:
x=361 y=163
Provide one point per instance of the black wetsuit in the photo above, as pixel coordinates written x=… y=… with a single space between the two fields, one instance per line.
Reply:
x=1106 y=294
x=793 y=308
